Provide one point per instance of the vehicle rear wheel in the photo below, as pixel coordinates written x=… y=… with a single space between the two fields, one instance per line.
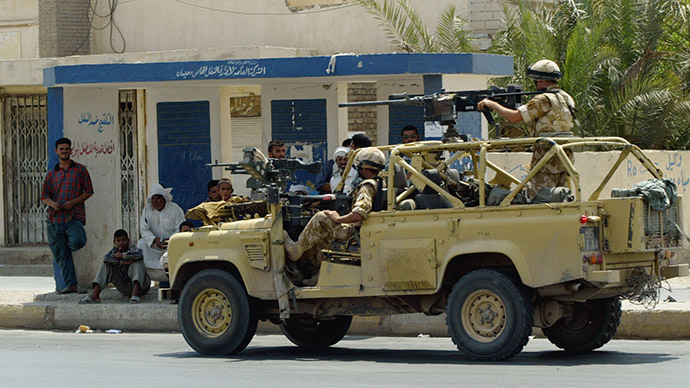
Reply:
x=215 y=313
x=309 y=332
x=591 y=326
x=489 y=316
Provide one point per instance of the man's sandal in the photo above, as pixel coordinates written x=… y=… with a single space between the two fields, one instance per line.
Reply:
x=88 y=300
x=135 y=299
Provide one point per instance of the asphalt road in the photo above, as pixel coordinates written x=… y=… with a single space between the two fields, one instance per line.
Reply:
x=59 y=359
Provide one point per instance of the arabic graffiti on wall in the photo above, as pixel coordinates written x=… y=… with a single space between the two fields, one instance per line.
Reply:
x=671 y=166
x=242 y=68
x=100 y=121
x=93 y=148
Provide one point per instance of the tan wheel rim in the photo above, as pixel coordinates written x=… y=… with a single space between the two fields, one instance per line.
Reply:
x=483 y=316
x=211 y=312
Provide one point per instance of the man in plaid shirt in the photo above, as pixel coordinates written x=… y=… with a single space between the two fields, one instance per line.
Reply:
x=65 y=189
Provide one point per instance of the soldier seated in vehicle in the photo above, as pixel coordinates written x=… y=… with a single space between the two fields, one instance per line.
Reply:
x=327 y=225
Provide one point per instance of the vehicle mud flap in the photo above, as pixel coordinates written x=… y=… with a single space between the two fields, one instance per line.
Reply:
x=284 y=287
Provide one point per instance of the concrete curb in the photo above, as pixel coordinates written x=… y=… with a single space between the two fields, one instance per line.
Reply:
x=154 y=316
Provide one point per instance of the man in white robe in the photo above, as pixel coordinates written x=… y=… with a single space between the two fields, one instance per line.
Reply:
x=160 y=219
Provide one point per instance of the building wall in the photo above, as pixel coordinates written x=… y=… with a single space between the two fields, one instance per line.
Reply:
x=18 y=29
x=64 y=28
x=90 y=120
x=330 y=27
x=362 y=118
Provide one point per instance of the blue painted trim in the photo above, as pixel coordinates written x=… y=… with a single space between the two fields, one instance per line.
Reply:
x=295 y=67
x=56 y=102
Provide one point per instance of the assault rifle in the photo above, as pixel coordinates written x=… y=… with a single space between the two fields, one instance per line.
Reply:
x=266 y=171
x=444 y=107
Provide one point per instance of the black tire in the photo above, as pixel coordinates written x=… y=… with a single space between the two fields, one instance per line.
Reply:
x=489 y=316
x=309 y=332
x=593 y=325
x=215 y=313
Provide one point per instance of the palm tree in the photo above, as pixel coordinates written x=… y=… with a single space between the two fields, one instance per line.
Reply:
x=406 y=31
x=625 y=62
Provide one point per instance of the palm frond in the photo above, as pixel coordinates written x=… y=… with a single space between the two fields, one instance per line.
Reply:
x=394 y=23
x=451 y=33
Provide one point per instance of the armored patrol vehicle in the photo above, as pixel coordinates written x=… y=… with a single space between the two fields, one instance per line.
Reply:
x=439 y=240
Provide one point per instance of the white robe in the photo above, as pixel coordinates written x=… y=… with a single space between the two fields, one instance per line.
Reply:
x=161 y=224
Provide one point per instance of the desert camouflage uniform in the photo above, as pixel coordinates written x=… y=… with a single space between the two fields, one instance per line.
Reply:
x=321 y=230
x=548 y=112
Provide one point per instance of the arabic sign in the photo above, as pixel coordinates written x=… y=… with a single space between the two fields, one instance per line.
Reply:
x=100 y=121
x=80 y=148
x=232 y=68
x=249 y=106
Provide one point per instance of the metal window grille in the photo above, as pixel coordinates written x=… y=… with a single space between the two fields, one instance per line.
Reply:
x=25 y=157
x=129 y=172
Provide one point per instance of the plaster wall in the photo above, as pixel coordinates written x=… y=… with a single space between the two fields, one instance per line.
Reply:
x=90 y=121
x=324 y=25
x=18 y=29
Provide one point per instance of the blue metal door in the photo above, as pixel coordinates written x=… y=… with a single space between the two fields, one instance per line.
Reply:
x=302 y=125
x=184 y=147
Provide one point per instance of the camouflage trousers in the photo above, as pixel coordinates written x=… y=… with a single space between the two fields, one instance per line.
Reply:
x=552 y=174
x=321 y=231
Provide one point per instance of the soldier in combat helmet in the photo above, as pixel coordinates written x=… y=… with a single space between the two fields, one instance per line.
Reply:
x=546 y=112
x=327 y=225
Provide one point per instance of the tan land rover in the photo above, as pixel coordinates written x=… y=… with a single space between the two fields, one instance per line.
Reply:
x=467 y=244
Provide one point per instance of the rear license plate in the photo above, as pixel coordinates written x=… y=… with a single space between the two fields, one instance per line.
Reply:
x=590 y=238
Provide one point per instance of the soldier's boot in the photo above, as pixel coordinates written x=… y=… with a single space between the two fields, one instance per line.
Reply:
x=291 y=248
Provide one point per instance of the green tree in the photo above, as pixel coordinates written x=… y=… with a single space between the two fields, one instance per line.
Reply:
x=625 y=62
x=407 y=32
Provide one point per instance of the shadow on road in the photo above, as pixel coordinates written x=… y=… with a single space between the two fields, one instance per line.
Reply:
x=435 y=357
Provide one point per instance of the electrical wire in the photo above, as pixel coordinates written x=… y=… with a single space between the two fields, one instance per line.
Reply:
x=91 y=15
x=334 y=8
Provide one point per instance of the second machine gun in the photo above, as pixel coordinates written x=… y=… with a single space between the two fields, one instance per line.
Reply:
x=443 y=107
x=272 y=176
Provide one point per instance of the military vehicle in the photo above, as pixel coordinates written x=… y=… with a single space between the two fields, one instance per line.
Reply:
x=439 y=240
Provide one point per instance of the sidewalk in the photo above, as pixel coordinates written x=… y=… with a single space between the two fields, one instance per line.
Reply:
x=31 y=303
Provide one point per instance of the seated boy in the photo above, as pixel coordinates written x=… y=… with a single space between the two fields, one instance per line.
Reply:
x=124 y=267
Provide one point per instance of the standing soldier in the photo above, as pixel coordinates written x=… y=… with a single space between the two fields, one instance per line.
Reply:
x=546 y=112
x=65 y=189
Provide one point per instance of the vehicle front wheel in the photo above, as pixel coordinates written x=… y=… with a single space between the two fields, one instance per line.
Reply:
x=592 y=325
x=309 y=332
x=489 y=316
x=215 y=313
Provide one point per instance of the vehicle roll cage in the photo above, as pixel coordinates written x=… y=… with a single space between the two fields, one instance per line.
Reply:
x=478 y=151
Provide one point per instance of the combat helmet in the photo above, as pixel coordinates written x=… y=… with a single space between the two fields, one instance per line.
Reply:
x=371 y=158
x=544 y=70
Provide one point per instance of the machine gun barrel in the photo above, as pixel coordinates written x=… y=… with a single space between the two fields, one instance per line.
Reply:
x=398 y=99
x=443 y=107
